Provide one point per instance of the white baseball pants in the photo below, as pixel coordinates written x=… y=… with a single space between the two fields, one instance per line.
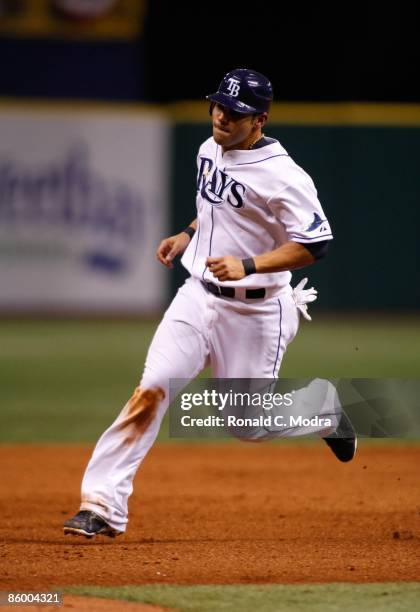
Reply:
x=238 y=338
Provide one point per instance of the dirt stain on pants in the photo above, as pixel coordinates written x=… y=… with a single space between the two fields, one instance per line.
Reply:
x=139 y=411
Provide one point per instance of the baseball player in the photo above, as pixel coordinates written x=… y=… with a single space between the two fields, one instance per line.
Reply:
x=258 y=217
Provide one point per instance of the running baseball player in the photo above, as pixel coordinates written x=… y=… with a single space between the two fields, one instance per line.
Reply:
x=258 y=217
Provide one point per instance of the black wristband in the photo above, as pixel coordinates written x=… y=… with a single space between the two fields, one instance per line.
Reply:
x=190 y=231
x=249 y=266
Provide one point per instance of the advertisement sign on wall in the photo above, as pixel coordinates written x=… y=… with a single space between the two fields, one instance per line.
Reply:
x=83 y=206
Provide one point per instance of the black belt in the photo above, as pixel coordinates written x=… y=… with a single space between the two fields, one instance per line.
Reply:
x=250 y=294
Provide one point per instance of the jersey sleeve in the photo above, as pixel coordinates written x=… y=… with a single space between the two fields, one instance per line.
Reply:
x=298 y=209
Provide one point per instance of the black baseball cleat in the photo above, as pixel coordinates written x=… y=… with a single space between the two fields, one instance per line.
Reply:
x=87 y=523
x=343 y=442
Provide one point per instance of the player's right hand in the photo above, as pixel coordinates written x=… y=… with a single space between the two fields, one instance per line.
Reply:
x=170 y=247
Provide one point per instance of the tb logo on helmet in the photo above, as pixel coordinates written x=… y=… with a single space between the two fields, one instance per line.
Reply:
x=233 y=87
x=244 y=91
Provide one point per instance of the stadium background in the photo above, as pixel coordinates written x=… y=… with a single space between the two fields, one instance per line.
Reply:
x=347 y=109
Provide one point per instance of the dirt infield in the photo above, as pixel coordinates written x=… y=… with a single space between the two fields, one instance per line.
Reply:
x=238 y=513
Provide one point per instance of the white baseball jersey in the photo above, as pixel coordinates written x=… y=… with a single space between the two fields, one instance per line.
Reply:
x=250 y=202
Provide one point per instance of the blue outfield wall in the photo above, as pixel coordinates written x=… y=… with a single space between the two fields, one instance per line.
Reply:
x=368 y=182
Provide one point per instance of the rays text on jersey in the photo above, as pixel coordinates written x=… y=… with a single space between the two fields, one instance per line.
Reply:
x=218 y=187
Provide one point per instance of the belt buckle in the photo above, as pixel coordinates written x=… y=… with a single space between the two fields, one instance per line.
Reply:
x=213 y=288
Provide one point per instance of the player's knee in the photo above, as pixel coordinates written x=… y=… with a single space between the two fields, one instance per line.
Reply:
x=141 y=408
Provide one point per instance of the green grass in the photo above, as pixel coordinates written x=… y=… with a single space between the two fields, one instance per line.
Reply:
x=269 y=598
x=367 y=346
x=66 y=380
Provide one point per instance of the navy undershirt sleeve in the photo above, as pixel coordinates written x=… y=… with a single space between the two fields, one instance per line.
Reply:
x=317 y=249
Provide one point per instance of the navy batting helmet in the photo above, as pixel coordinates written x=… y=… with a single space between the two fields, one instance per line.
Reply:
x=244 y=91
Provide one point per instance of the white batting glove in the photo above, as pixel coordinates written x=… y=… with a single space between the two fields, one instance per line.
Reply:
x=303 y=297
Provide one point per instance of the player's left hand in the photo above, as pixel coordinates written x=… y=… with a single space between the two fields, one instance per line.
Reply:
x=226 y=268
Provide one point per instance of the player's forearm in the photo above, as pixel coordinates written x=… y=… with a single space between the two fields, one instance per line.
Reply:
x=193 y=224
x=289 y=256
